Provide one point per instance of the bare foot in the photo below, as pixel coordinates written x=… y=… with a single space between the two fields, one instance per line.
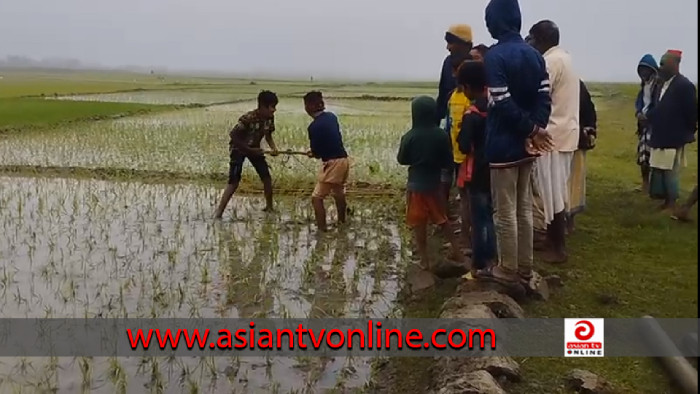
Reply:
x=681 y=215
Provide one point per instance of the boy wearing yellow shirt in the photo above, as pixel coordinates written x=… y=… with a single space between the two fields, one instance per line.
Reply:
x=457 y=105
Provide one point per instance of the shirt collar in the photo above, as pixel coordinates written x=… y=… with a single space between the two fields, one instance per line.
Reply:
x=551 y=50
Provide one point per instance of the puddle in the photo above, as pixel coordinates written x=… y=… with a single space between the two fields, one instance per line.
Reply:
x=75 y=248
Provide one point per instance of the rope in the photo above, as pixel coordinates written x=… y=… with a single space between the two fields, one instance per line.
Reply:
x=288 y=154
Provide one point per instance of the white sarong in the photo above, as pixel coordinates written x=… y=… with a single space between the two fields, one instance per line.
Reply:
x=553 y=170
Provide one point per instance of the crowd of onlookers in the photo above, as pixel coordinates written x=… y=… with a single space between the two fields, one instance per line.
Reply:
x=666 y=110
x=510 y=130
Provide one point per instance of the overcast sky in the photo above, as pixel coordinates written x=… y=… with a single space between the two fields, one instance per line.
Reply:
x=366 y=39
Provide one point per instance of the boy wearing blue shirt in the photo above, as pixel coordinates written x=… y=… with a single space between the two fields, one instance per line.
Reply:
x=326 y=143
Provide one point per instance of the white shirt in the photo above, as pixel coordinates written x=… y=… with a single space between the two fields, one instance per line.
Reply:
x=647 y=96
x=565 y=92
x=664 y=87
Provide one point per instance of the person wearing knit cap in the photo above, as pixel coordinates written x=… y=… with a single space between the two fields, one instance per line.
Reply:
x=673 y=120
x=459 y=41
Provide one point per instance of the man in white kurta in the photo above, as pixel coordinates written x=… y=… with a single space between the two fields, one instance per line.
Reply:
x=553 y=168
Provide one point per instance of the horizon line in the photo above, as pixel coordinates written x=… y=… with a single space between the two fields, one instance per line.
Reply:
x=271 y=77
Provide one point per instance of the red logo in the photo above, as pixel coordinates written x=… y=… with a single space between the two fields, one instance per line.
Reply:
x=586 y=332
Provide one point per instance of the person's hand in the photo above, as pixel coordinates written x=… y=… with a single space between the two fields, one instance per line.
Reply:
x=530 y=148
x=641 y=117
x=590 y=131
x=309 y=154
x=543 y=141
x=275 y=152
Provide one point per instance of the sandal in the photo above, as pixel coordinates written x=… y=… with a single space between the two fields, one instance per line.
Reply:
x=497 y=275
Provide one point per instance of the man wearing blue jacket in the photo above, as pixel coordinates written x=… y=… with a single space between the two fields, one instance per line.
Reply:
x=519 y=110
x=459 y=42
x=673 y=120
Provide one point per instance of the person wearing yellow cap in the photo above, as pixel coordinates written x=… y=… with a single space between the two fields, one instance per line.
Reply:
x=459 y=41
x=459 y=44
x=673 y=122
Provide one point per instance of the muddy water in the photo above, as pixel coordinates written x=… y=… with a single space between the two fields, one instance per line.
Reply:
x=76 y=248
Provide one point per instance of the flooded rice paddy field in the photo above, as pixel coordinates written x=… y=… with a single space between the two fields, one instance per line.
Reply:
x=162 y=97
x=196 y=140
x=211 y=94
x=87 y=248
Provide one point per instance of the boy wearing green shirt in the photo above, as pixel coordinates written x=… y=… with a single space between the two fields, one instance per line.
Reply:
x=426 y=150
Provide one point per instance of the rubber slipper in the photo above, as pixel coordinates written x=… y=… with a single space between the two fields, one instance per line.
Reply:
x=488 y=275
x=525 y=279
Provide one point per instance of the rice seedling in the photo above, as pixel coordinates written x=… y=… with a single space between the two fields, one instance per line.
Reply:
x=101 y=268
x=192 y=143
x=128 y=249
x=86 y=372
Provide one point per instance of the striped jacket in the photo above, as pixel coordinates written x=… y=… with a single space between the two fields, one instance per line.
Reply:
x=518 y=88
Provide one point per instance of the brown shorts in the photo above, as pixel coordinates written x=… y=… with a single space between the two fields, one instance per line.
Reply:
x=332 y=178
x=424 y=207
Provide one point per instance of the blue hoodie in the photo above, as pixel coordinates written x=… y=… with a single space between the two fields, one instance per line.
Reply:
x=647 y=61
x=518 y=87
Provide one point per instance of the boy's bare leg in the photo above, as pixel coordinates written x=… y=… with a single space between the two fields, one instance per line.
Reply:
x=225 y=198
x=455 y=253
x=683 y=212
x=570 y=225
x=645 y=178
x=466 y=216
x=421 y=234
x=320 y=213
x=267 y=187
x=341 y=205
x=446 y=196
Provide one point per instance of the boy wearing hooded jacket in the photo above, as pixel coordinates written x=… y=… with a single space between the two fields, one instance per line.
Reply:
x=426 y=150
x=519 y=110
x=647 y=71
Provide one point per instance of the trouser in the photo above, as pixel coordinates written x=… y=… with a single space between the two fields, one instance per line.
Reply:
x=665 y=184
x=483 y=230
x=511 y=190
x=577 y=184
x=538 y=205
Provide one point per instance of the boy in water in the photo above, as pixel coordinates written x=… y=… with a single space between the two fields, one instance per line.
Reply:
x=472 y=139
x=246 y=136
x=326 y=142
x=426 y=150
